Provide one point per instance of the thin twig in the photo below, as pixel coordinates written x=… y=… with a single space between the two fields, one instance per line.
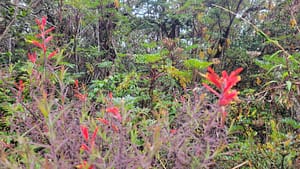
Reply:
x=240 y=165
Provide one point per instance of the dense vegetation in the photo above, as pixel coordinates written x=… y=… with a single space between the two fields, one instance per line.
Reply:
x=149 y=84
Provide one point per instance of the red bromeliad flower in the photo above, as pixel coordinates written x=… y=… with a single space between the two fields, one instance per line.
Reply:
x=224 y=84
x=115 y=112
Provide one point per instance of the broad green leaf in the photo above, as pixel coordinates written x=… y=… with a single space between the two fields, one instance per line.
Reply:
x=148 y=58
x=196 y=64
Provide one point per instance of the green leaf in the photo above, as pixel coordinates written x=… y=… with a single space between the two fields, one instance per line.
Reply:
x=192 y=47
x=291 y=122
x=149 y=58
x=105 y=64
x=288 y=85
x=196 y=64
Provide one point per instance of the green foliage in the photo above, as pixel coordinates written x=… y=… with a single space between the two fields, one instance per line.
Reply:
x=196 y=64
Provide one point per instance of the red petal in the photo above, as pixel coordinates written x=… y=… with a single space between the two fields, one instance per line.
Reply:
x=233 y=79
x=81 y=97
x=103 y=121
x=85 y=132
x=44 y=21
x=115 y=128
x=32 y=57
x=52 y=54
x=213 y=77
x=76 y=84
x=227 y=97
x=211 y=89
x=38 y=44
x=84 y=147
x=115 y=112
x=236 y=72
x=49 y=30
x=48 y=39
x=94 y=134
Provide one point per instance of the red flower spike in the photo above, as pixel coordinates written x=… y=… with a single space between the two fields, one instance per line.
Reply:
x=115 y=112
x=103 y=121
x=32 y=57
x=85 y=132
x=225 y=83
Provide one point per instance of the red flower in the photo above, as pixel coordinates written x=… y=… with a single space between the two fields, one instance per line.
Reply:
x=224 y=84
x=32 y=57
x=44 y=40
x=115 y=112
x=85 y=133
